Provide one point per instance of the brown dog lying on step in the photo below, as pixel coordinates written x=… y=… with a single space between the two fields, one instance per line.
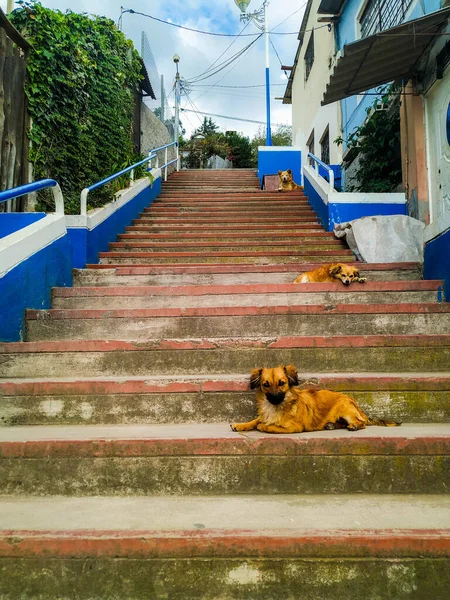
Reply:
x=283 y=408
x=329 y=273
x=287 y=184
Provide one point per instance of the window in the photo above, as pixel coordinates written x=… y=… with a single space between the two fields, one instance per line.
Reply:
x=379 y=15
x=448 y=123
x=325 y=147
x=309 y=56
x=310 y=145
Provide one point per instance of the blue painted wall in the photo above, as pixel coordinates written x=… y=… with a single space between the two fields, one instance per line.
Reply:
x=437 y=261
x=29 y=286
x=341 y=213
x=12 y=222
x=318 y=205
x=332 y=213
x=87 y=244
x=272 y=161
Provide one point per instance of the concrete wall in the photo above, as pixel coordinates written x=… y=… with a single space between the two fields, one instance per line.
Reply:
x=307 y=112
x=155 y=134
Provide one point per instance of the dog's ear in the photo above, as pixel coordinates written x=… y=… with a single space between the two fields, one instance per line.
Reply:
x=279 y=172
x=289 y=171
x=335 y=269
x=291 y=374
x=255 y=378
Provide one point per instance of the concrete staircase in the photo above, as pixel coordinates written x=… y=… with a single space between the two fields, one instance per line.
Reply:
x=119 y=474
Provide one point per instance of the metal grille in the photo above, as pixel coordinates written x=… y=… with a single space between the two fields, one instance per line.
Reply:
x=325 y=148
x=309 y=56
x=382 y=14
x=310 y=144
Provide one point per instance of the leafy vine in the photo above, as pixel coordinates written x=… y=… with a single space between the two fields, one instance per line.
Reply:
x=82 y=78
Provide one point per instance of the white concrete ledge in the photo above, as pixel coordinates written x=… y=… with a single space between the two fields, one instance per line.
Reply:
x=20 y=245
x=96 y=216
x=278 y=148
x=437 y=227
x=321 y=186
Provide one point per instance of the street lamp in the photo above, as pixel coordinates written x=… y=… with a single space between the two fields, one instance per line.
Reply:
x=259 y=18
x=176 y=60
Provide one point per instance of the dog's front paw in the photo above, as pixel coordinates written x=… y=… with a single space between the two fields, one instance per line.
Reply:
x=280 y=189
x=330 y=426
x=361 y=279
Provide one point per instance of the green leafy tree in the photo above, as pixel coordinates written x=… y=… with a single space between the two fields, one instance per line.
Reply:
x=281 y=136
x=83 y=75
x=208 y=127
x=240 y=150
x=377 y=142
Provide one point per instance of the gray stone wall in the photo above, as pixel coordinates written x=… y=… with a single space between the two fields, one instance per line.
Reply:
x=155 y=134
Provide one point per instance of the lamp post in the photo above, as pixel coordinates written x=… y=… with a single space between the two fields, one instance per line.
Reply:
x=260 y=19
x=176 y=60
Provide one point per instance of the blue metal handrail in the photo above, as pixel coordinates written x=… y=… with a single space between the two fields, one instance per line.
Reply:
x=36 y=186
x=95 y=186
x=166 y=162
x=318 y=162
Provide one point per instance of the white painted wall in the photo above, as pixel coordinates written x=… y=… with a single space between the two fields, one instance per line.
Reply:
x=307 y=112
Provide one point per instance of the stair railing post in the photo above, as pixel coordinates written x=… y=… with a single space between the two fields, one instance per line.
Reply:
x=165 y=162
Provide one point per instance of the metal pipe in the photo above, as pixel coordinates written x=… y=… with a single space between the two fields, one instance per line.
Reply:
x=266 y=36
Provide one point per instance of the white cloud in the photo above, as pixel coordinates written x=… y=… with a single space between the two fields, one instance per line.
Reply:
x=198 y=52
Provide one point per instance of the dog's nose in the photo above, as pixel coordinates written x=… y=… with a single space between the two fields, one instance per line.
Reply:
x=275 y=398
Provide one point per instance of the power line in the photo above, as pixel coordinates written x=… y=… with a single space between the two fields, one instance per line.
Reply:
x=232 y=118
x=233 y=67
x=135 y=12
x=287 y=18
x=224 y=52
x=278 y=56
x=226 y=63
x=263 y=85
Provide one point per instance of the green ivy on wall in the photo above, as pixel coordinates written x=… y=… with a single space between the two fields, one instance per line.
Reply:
x=83 y=74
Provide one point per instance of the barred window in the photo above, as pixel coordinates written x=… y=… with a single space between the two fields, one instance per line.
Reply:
x=325 y=147
x=382 y=14
x=310 y=145
x=309 y=56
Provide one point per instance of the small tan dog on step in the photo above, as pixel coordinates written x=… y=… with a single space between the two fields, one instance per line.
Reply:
x=284 y=408
x=287 y=184
x=330 y=273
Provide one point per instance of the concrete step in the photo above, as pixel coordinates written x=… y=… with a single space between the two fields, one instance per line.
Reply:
x=227 y=547
x=229 y=202
x=187 y=219
x=240 y=229
x=102 y=275
x=209 y=459
x=200 y=356
x=227 y=212
x=235 y=257
x=141 y=325
x=262 y=295
x=232 y=238
x=224 y=246
x=412 y=398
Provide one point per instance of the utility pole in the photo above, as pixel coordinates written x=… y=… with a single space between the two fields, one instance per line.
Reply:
x=261 y=20
x=176 y=60
x=163 y=99
x=10 y=6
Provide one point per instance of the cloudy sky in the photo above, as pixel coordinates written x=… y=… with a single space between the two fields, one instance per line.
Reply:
x=197 y=52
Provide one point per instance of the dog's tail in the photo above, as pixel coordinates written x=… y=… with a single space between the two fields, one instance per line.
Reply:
x=383 y=422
